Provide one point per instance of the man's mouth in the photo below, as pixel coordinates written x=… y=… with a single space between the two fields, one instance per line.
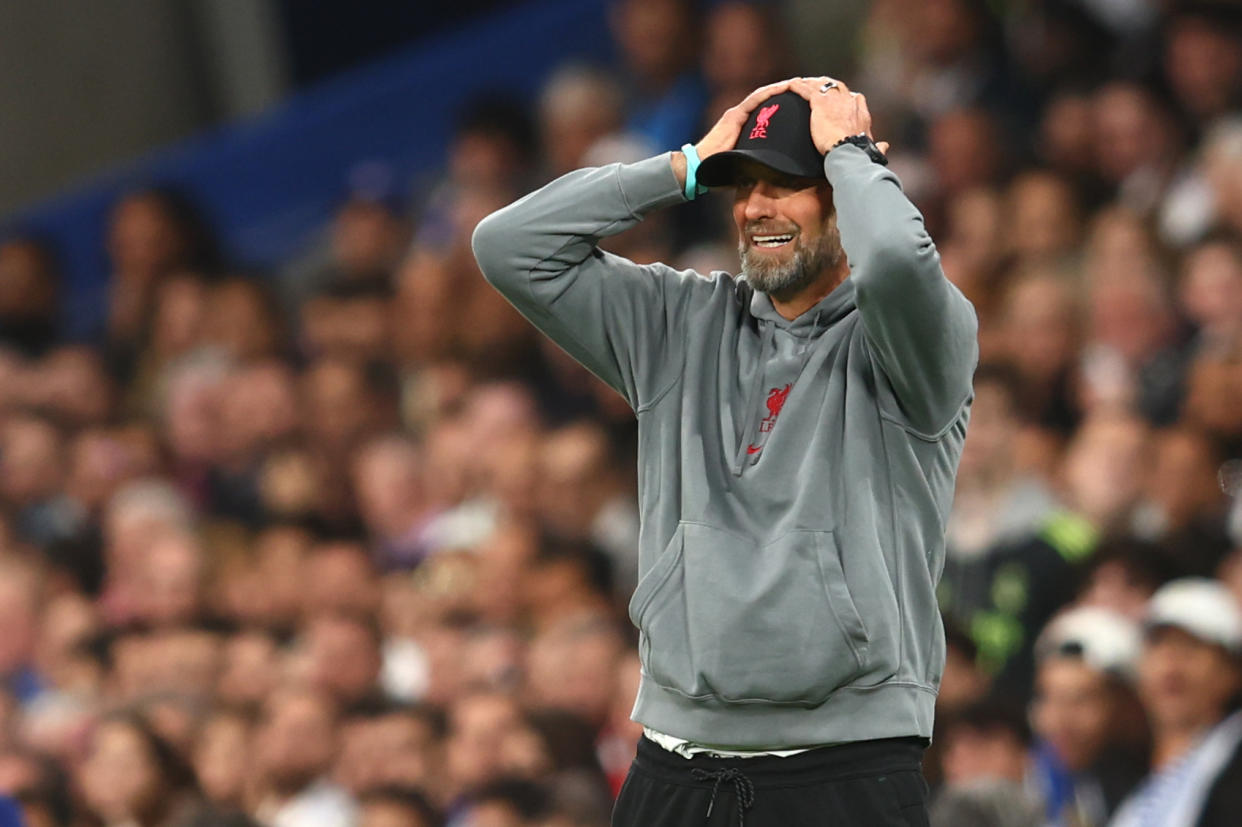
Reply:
x=771 y=241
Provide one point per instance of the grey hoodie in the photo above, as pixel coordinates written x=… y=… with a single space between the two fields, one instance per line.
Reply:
x=794 y=476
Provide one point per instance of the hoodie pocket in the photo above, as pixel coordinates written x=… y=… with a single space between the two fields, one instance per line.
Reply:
x=725 y=617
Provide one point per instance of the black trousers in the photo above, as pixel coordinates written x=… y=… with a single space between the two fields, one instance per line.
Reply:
x=864 y=784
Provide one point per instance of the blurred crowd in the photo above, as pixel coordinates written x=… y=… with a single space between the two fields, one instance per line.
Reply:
x=346 y=543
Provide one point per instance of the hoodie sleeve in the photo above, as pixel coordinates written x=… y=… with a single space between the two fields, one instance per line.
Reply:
x=610 y=314
x=921 y=328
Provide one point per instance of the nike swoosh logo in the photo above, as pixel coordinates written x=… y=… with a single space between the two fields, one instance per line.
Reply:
x=753 y=449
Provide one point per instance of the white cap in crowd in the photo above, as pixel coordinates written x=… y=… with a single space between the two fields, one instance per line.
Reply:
x=1105 y=640
x=1201 y=607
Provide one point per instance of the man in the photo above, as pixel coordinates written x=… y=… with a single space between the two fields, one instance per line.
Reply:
x=799 y=432
x=1089 y=724
x=293 y=749
x=1190 y=682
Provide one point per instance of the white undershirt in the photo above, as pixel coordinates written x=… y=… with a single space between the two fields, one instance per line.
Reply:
x=688 y=749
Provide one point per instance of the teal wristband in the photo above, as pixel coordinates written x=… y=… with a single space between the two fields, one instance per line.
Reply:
x=693 y=187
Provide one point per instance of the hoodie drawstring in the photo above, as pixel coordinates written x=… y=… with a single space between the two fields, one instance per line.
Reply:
x=742 y=788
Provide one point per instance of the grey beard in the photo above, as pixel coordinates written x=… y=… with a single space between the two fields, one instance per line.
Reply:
x=778 y=278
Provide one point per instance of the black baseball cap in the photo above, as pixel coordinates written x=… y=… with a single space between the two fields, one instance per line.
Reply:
x=778 y=135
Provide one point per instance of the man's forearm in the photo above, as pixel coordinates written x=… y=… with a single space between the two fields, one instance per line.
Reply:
x=921 y=327
x=541 y=253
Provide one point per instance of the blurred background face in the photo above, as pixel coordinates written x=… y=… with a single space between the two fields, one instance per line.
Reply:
x=652 y=35
x=250 y=669
x=1044 y=207
x=222 y=759
x=180 y=310
x=478 y=727
x=344 y=655
x=1129 y=131
x=1106 y=465
x=296 y=741
x=574 y=477
x=1213 y=387
x=1185 y=683
x=28 y=285
x=1203 y=63
x=339 y=577
x=1040 y=326
x=30 y=460
x=367 y=238
x=577 y=108
x=143 y=241
x=987 y=452
x=1211 y=287
x=1183 y=479
x=171 y=581
x=573 y=670
x=1072 y=710
x=743 y=51
x=972 y=755
x=120 y=778
x=18 y=617
x=387 y=482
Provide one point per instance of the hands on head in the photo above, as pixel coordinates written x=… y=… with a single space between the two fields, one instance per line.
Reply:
x=836 y=113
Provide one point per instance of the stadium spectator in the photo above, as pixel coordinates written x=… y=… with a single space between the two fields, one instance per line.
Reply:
x=1189 y=681
x=221 y=759
x=988 y=743
x=293 y=748
x=30 y=294
x=1030 y=579
x=132 y=776
x=1086 y=716
x=152 y=234
x=659 y=43
x=744 y=47
x=996 y=504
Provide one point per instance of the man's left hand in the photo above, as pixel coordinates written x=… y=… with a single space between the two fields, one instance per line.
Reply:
x=836 y=112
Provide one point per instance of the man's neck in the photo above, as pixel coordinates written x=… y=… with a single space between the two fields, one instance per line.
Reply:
x=1174 y=742
x=793 y=305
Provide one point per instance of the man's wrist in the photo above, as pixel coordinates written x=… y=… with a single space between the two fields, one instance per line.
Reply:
x=864 y=142
x=677 y=159
x=690 y=187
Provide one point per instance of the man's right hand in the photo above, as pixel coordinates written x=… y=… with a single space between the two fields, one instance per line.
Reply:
x=723 y=136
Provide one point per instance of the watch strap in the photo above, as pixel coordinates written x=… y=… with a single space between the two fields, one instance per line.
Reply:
x=864 y=142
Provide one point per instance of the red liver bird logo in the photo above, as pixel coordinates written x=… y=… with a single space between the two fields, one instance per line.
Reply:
x=762 y=121
x=776 y=401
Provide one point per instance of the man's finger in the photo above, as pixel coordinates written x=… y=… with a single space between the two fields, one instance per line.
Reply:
x=801 y=87
x=836 y=85
x=763 y=93
x=863 y=110
x=883 y=146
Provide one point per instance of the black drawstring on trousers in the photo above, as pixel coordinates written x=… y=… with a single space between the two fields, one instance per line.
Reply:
x=742 y=788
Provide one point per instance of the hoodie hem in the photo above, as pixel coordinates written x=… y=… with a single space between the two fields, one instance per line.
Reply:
x=852 y=713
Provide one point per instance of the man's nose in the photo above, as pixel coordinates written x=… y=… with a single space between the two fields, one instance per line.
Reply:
x=760 y=203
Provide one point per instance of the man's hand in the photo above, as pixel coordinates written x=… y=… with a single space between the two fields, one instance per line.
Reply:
x=723 y=136
x=836 y=112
